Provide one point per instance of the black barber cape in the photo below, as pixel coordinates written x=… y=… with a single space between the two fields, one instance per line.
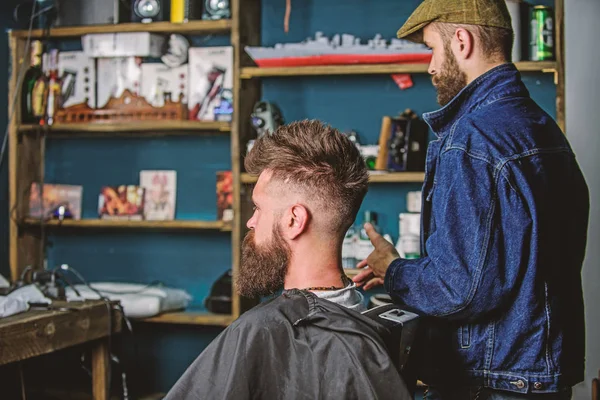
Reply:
x=295 y=346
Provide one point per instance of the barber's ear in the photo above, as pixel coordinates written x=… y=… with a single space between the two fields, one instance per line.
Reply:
x=463 y=44
x=296 y=221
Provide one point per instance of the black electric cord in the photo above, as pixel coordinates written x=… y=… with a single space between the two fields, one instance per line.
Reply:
x=66 y=267
x=141 y=290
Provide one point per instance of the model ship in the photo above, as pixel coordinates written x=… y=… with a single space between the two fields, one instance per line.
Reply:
x=340 y=50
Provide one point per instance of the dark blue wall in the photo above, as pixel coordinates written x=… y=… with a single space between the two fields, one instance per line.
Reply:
x=194 y=260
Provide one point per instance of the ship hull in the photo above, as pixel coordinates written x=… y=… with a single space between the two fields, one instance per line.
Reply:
x=343 y=59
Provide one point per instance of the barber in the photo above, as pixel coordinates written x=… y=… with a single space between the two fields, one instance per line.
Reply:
x=504 y=221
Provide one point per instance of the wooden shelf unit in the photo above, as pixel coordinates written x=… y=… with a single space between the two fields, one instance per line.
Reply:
x=141 y=128
x=191 y=318
x=389 y=177
x=26 y=159
x=371 y=69
x=176 y=225
x=187 y=28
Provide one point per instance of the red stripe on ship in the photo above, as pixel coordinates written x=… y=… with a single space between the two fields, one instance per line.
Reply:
x=343 y=59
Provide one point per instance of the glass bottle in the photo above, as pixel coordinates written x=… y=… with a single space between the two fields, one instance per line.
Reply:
x=32 y=92
x=54 y=94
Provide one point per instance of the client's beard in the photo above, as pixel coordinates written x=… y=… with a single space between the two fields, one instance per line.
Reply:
x=263 y=268
x=451 y=80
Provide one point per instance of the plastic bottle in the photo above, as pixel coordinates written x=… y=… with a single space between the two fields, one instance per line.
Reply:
x=364 y=247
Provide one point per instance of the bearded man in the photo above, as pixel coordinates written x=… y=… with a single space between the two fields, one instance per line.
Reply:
x=504 y=222
x=310 y=342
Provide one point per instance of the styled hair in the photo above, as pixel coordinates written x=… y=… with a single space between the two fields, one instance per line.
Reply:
x=495 y=42
x=318 y=160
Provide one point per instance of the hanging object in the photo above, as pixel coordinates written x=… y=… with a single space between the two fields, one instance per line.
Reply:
x=286 y=18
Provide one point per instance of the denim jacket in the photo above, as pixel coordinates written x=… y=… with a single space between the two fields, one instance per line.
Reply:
x=504 y=226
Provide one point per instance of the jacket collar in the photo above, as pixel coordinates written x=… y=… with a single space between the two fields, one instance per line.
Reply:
x=499 y=82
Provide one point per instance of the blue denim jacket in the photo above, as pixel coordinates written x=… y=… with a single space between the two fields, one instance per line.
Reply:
x=504 y=225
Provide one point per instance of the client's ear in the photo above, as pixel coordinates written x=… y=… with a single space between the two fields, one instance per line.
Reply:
x=296 y=221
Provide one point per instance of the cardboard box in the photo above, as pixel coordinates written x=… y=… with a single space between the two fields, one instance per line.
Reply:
x=78 y=76
x=224 y=196
x=158 y=79
x=132 y=44
x=210 y=83
x=410 y=224
x=160 y=189
x=121 y=202
x=115 y=75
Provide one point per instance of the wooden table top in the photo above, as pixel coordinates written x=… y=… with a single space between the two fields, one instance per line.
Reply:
x=40 y=331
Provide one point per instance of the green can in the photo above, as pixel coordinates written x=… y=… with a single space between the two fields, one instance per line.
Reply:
x=542 y=34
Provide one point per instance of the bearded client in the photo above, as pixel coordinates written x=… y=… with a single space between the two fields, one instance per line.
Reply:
x=310 y=342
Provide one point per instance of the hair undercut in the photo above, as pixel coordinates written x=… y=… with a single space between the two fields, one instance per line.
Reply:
x=318 y=160
x=495 y=42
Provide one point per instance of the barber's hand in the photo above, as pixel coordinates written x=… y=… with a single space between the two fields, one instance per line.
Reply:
x=378 y=261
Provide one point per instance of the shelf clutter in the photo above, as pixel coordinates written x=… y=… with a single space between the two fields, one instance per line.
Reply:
x=237 y=83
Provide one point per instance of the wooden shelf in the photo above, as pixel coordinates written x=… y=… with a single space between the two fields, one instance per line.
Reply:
x=351 y=272
x=391 y=177
x=397 y=177
x=113 y=224
x=191 y=318
x=247 y=178
x=133 y=129
x=370 y=69
x=189 y=28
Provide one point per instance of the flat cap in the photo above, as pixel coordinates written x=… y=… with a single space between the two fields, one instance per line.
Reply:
x=471 y=12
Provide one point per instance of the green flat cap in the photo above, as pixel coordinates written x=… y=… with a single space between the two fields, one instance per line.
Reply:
x=471 y=12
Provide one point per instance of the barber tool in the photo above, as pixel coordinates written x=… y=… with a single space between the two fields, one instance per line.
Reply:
x=403 y=337
x=266 y=118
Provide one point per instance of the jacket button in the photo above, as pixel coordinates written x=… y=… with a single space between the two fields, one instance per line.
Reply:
x=538 y=386
x=520 y=384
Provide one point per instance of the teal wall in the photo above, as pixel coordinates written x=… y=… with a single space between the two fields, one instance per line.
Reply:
x=158 y=354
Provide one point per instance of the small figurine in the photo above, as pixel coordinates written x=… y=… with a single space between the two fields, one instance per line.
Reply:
x=62 y=212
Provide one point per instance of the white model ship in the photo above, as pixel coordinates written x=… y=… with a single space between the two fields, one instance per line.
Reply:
x=341 y=49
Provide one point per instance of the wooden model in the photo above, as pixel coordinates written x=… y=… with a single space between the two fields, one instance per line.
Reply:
x=126 y=108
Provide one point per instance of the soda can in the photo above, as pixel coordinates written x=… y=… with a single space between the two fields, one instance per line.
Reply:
x=542 y=34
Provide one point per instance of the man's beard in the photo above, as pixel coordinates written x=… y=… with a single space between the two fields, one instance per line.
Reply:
x=450 y=80
x=263 y=268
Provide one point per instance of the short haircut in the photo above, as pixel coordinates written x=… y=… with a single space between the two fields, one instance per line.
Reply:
x=320 y=161
x=495 y=42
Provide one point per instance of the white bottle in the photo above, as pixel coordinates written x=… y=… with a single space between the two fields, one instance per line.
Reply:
x=348 y=248
x=409 y=241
